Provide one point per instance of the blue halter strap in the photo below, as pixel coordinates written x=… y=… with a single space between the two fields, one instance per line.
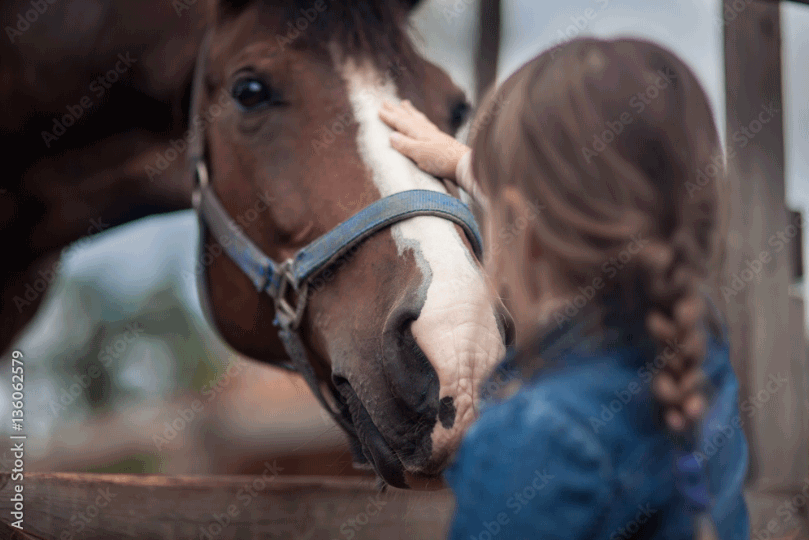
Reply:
x=278 y=280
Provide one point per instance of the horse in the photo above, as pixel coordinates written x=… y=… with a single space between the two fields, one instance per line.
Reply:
x=95 y=93
x=399 y=329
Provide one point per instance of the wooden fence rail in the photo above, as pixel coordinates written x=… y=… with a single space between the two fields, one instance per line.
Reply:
x=73 y=506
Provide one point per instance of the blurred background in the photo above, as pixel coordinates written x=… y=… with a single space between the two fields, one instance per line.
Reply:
x=125 y=301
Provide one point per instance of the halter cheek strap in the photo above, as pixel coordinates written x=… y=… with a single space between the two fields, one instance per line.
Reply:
x=294 y=274
x=287 y=282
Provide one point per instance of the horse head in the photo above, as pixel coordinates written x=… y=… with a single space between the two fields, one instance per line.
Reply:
x=402 y=326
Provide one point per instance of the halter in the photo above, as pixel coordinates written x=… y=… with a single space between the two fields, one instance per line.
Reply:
x=287 y=283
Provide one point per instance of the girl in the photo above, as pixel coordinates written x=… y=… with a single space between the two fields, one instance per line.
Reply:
x=603 y=424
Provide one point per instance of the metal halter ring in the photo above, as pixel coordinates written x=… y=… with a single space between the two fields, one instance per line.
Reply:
x=287 y=315
x=202 y=182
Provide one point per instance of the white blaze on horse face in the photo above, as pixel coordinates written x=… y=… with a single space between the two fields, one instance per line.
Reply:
x=456 y=328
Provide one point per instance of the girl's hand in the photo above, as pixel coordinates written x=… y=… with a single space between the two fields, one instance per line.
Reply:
x=416 y=137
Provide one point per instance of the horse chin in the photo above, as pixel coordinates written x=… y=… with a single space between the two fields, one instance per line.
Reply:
x=373 y=452
x=387 y=465
x=385 y=462
x=375 y=448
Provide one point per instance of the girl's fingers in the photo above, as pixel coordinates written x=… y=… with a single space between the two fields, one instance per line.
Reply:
x=407 y=119
x=406 y=105
x=403 y=144
x=395 y=120
x=434 y=151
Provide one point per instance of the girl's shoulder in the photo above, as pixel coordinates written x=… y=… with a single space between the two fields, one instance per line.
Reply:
x=534 y=413
x=534 y=468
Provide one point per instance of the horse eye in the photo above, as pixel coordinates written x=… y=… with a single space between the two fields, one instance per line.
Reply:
x=251 y=94
x=458 y=114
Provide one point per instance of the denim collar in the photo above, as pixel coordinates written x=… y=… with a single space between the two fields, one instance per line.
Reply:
x=552 y=343
x=591 y=330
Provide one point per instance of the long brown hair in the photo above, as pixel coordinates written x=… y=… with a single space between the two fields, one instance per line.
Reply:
x=600 y=145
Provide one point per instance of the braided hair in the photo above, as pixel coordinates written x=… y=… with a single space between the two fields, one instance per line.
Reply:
x=609 y=139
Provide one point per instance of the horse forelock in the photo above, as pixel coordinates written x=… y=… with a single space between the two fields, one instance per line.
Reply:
x=376 y=29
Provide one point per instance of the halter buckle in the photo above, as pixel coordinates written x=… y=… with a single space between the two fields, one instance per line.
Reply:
x=288 y=315
x=201 y=174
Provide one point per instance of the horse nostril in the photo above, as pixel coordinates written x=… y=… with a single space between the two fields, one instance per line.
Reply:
x=413 y=380
x=338 y=380
x=446 y=412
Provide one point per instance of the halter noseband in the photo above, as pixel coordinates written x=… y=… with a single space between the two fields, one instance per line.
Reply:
x=290 y=279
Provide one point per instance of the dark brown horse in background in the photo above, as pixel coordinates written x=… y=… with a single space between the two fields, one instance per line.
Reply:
x=93 y=93
x=404 y=329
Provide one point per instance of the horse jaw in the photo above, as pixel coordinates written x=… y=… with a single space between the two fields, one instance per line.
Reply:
x=456 y=328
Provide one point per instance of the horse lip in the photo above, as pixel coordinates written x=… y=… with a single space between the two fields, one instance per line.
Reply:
x=386 y=462
x=376 y=449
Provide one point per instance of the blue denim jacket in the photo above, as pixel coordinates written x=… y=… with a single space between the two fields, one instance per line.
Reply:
x=579 y=452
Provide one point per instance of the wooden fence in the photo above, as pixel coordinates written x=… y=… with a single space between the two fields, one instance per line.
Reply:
x=69 y=506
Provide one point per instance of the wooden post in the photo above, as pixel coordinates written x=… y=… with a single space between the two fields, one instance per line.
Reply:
x=767 y=337
x=488 y=47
